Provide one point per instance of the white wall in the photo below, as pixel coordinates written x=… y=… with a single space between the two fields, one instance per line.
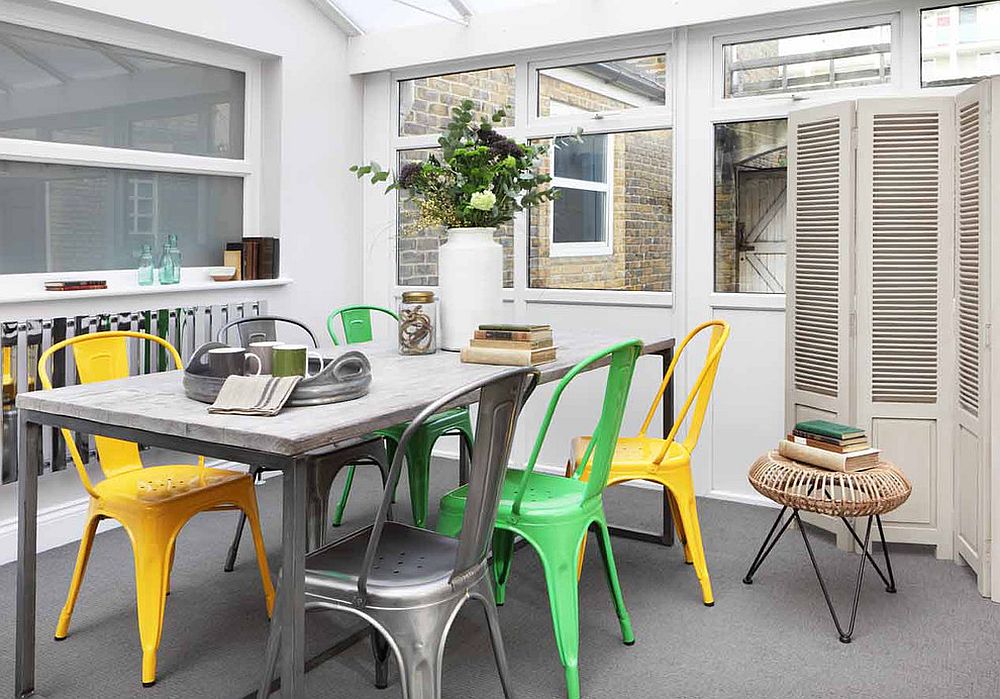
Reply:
x=311 y=134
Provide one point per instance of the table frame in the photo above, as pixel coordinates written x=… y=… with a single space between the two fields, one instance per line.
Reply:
x=293 y=540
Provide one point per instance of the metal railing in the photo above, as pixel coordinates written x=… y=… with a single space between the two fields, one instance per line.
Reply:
x=23 y=341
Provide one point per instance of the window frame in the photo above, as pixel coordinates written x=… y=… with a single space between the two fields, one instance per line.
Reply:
x=920 y=49
x=720 y=41
x=526 y=128
x=596 y=248
x=161 y=42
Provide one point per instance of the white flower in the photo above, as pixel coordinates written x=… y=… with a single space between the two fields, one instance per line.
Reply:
x=484 y=201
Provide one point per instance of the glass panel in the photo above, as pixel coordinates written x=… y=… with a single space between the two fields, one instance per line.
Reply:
x=60 y=218
x=959 y=44
x=68 y=90
x=605 y=86
x=641 y=200
x=417 y=248
x=583 y=158
x=750 y=182
x=425 y=103
x=843 y=58
x=579 y=216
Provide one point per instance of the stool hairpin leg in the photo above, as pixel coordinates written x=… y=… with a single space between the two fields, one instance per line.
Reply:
x=765 y=549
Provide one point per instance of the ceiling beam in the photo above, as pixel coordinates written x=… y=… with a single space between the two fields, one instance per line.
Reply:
x=462 y=8
x=343 y=21
x=440 y=15
x=113 y=56
x=35 y=60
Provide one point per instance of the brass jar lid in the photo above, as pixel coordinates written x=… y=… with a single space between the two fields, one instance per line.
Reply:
x=418 y=297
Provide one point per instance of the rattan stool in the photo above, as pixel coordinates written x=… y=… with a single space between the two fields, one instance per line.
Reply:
x=797 y=486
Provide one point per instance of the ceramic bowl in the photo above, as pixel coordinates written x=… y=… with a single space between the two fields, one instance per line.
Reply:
x=222 y=274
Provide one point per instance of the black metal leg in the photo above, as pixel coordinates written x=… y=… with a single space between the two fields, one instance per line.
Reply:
x=765 y=549
x=891 y=585
x=234 y=547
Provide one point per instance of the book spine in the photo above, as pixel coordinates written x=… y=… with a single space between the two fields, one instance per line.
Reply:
x=500 y=357
x=511 y=344
x=508 y=335
x=812 y=456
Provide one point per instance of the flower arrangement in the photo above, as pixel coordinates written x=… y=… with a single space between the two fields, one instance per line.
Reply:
x=481 y=179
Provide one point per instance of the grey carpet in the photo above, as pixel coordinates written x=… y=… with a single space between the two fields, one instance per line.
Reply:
x=935 y=638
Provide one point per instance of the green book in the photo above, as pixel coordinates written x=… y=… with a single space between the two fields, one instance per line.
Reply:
x=833 y=430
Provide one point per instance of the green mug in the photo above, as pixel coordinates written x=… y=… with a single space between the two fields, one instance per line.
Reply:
x=292 y=360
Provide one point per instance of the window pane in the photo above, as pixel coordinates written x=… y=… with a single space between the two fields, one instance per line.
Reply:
x=425 y=103
x=578 y=217
x=60 y=218
x=750 y=169
x=68 y=90
x=640 y=239
x=603 y=87
x=848 y=57
x=417 y=248
x=583 y=158
x=959 y=43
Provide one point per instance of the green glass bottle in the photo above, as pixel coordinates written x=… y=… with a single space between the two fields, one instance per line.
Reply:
x=145 y=272
x=166 y=266
x=175 y=257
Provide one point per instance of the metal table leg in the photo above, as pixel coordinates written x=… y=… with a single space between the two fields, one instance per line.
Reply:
x=292 y=609
x=666 y=535
x=29 y=457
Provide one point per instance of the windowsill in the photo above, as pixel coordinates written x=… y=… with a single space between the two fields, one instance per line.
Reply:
x=754 y=302
x=30 y=288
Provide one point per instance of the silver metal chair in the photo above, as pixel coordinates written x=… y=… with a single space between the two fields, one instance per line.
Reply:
x=410 y=583
x=367 y=451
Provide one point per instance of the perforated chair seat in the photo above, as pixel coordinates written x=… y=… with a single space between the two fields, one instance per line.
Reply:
x=545 y=494
x=412 y=565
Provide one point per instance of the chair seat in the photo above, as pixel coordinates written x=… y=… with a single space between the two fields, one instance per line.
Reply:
x=412 y=564
x=441 y=422
x=633 y=454
x=547 y=495
x=155 y=484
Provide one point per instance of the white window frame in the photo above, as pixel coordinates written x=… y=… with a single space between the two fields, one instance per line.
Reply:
x=528 y=127
x=603 y=247
x=164 y=43
x=920 y=29
x=801 y=29
x=133 y=204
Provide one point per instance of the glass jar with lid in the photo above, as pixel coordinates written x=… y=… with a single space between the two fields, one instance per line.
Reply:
x=418 y=323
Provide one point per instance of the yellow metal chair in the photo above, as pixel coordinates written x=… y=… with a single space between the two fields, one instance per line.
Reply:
x=665 y=461
x=152 y=504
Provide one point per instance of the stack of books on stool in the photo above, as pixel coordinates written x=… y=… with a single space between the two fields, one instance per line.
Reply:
x=511 y=345
x=829 y=445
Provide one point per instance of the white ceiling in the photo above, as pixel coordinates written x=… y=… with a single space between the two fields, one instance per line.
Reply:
x=373 y=16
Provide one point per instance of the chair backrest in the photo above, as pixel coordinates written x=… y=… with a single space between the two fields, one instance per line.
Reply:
x=701 y=390
x=356 y=322
x=605 y=436
x=261 y=329
x=103 y=356
x=501 y=397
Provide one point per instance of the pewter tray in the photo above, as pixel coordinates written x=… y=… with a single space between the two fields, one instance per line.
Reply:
x=343 y=377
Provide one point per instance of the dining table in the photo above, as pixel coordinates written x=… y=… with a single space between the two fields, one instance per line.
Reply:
x=153 y=410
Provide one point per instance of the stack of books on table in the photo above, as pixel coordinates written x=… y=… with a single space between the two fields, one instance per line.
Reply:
x=510 y=345
x=829 y=445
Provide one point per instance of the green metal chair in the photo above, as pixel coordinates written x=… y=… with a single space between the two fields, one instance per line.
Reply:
x=356 y=322
x=553 y=513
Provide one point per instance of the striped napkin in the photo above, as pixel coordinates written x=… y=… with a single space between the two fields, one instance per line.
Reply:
x=254 y=395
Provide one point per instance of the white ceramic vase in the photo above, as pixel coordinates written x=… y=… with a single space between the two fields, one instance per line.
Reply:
x=470 y=282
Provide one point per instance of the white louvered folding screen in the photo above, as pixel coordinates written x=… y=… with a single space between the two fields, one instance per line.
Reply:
x=821 y=212
x=904 y=286
x=972 y=292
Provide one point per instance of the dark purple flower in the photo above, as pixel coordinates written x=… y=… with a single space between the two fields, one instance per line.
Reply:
x=487 y=136
x=503 y=147
x=408 y=174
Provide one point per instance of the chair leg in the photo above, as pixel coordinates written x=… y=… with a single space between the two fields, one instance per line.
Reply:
x=151 y=549
x=484 y=594
x=83 y=555
x=250 y=508
x=559 y=563
x=380 y=652
x=234 y=548
x=273 y=648
x=675 y=515
x=614 y=586
x=338 y=512
x=421 y=654
x=503 y=557
x=418 y=465
x=689 y=516
x=170 y=564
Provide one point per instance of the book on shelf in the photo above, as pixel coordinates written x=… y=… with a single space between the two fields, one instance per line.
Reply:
x=507 y=357
x=831 y=430
x=514 y=333
x=511 y=344
x=861 y=445
x=261 y=258
x=516 y=327
x=821 y=458
x=76 y=285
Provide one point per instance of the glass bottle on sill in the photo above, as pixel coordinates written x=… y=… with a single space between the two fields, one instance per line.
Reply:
x=145 y=272
x=166 y=267
x=175 y=257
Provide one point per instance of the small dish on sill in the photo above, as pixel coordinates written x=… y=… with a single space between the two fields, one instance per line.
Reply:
x=222 y=274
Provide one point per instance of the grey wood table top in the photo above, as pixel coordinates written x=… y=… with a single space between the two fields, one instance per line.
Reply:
x=401 y=387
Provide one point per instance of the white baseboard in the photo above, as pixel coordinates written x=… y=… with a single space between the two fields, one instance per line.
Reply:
x=62 y=524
